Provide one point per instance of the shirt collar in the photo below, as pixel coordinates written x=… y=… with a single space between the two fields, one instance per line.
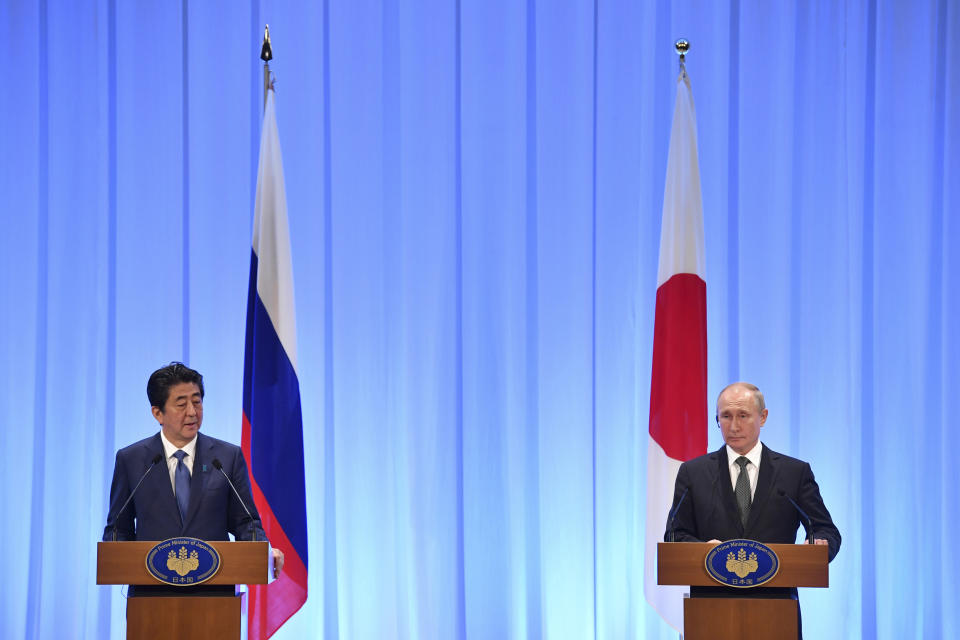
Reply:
x=753 y=455
x=169 y=448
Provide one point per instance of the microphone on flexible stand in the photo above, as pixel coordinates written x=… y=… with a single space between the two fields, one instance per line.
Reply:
x=116 y=522
x=255 y=522
x=673 y=514
x=807 y=521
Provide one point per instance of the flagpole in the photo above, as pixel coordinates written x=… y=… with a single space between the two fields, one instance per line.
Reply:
x=678 y=393
x=271 y=411
x=266 y=54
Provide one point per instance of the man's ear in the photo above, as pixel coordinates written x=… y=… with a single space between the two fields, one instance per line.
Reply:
x=157 y=413
x=763 y=417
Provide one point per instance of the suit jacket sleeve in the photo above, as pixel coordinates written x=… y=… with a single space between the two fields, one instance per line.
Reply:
x=683 y=526
x=120 y=489
x=239 y=523
x=810 y=500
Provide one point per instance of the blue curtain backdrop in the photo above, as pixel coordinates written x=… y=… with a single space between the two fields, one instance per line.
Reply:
x=474 y=193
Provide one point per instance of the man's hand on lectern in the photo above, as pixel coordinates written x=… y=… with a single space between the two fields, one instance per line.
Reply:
x=277 y=562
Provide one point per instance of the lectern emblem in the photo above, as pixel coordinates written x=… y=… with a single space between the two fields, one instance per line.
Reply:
x=184 y=564
x=742 y=563
x=183 y=561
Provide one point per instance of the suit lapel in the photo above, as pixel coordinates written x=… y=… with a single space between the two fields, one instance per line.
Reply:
x=727 y=498
x=765 y=483
x=198 y=479
x=158 y=482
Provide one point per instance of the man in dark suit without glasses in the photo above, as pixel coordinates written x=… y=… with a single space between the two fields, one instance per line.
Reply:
x=721 y=504
x=207 y=507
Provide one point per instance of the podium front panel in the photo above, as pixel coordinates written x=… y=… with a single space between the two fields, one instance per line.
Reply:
x=200 y=618
x=754 y=618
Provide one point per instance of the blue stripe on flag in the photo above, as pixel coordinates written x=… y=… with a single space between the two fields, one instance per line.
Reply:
x=271 y=402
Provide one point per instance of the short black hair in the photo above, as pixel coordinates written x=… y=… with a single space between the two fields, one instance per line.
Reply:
x=158 y=386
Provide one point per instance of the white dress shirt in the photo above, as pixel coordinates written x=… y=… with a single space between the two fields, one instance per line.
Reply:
x=753 y=469
x=169 y=449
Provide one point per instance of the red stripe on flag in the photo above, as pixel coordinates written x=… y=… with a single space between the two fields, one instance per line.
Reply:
x=678 y=390
x=269 y=606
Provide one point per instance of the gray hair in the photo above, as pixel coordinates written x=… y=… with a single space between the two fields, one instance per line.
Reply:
x=754 y=389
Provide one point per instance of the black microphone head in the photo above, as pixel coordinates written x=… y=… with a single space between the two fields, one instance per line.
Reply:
x=157 y=458
x=781 y=492
x=217 y=465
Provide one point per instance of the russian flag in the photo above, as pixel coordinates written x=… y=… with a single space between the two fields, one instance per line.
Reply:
x=272 y=438
x=678 y=386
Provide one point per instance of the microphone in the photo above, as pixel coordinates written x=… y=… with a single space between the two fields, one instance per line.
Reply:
x=219 y=467
x=802 y=513
x=116 y=522
x=673 y=513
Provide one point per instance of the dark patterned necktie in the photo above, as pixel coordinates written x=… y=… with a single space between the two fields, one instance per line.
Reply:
x=743 y=490
x=181 y=480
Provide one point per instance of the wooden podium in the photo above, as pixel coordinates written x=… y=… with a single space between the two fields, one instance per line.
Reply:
x=184 y=617
x=684 y=563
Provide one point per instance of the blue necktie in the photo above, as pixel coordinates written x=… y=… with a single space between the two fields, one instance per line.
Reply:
x=182 y=483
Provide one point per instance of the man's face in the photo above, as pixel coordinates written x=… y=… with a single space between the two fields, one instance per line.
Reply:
x=739 y=418
x=182 y=414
